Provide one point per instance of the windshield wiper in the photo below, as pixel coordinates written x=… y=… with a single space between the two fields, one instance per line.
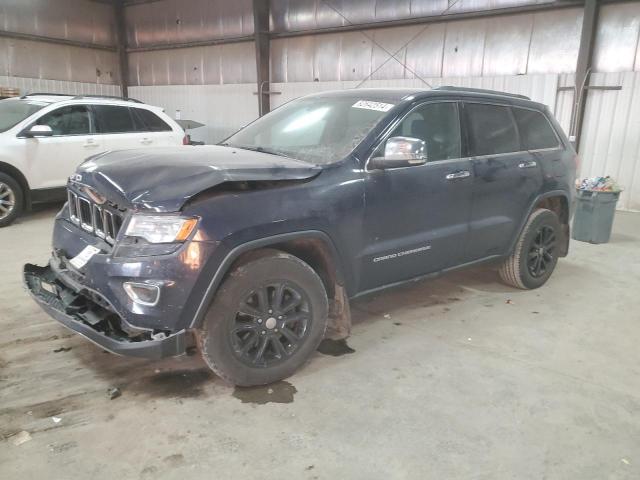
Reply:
x=257 y=149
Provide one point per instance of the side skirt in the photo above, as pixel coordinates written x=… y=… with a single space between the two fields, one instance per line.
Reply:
x=490 y=259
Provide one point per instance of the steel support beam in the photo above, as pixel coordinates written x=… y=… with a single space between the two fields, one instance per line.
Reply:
x=121 y=38
x=261 y=36
x=448 y=17
x=197 y=43
x=58 y=41
x=583 y=68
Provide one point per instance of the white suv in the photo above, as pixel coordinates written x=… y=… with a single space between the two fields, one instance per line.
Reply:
x=44 y=137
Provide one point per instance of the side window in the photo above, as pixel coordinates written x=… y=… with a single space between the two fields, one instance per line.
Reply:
x=535 y=130
x=438 y=125
x=71 y=120
x=113 y=119
x=491 y=129
x=149 y=121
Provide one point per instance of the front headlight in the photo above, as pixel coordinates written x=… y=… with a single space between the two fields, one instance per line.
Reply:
x=161 y=228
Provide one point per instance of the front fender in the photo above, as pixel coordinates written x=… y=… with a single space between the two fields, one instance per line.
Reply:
x=223 y=267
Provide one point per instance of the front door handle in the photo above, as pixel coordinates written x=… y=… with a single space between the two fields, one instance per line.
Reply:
x=146 y=141
x=529 y=164
x=460 y=174
x=91 y=143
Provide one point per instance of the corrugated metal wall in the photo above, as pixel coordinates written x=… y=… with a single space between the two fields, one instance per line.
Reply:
x=24 y=58
x=300 y=15
x=78 y=20
x=617 y=48
x=170 y=22
x=218 y=64
x=83 y=21
x=222 y=108
x=610 y=143
x=544 y=42
x=31 y=85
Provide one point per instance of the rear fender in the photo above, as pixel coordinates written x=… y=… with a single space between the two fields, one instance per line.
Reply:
x=564 y=222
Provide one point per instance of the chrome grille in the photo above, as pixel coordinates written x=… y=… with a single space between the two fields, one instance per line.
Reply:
x=94 y=218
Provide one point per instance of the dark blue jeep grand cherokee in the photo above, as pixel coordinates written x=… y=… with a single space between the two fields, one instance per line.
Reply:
x=254 y=246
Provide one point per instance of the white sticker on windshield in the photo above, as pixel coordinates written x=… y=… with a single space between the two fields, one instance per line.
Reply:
x=367 y=105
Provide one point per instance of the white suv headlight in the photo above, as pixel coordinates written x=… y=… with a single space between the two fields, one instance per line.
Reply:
x=161 y=228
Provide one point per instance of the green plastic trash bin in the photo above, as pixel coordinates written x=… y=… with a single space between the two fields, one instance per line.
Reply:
x=593 y=219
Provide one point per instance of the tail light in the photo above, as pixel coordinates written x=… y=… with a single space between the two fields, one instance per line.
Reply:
x=186 y=139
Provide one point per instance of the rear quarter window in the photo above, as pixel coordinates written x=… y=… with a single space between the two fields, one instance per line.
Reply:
x=113 y=119
x=491 y=129
x=535 y=130
x=150 y=122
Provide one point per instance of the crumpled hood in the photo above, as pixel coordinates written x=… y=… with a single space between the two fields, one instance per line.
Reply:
x=162 y=179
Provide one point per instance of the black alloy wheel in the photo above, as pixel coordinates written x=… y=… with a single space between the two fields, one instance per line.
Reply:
x=266 y=319
x=270 y=324
x=542 y=251
x=535 y=254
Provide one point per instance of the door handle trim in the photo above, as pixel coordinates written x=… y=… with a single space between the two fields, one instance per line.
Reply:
x=457 y=175
x=529 y=164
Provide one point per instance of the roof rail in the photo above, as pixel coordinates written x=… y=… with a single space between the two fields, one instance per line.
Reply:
x=108 y=97
x=76 y=97
x=481 y=90
x=35 y=94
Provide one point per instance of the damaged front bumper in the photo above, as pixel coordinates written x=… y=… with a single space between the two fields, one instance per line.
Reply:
x=87 y=313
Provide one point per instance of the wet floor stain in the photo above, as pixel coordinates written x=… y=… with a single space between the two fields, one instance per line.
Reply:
x=58 y=448
x=335 y=348
x=279 y=392
x=397 y=324
x=178 y=383
x=174 y=460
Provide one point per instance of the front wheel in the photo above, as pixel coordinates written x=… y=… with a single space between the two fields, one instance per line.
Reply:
x=11 y=199
x=266 y=320
x=536 y=253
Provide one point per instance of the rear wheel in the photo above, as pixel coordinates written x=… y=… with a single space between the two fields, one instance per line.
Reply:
x=11 y=199
x=268 y=317
x=536 y=253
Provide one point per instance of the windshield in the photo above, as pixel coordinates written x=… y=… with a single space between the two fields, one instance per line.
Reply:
x=13 y=111
x=317 y=130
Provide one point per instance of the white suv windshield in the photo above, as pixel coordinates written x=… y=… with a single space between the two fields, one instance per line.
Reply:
x=13 y=111
x=317 y=130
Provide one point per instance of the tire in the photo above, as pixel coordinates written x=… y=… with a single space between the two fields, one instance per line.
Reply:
x=536 y=253
x=275 y=346
x=11 y=200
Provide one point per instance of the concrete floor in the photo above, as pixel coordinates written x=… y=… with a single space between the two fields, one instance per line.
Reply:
x=461 y=377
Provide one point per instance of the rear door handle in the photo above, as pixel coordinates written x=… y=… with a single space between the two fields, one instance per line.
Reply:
x=91 y=143
x=460 y=174
x=529 y=164
x=146 y=141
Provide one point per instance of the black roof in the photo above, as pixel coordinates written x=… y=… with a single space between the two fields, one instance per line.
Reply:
x=397 y=95
x=481 y=91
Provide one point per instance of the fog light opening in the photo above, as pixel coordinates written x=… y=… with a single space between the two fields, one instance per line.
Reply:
x=142 y=293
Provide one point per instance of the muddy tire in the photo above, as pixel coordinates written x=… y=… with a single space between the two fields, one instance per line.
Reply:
x=11 y=200
x=266 y=320
x=536 y=253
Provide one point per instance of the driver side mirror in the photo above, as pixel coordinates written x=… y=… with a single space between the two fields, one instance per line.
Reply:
x=38 y=131
x=401 y=152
